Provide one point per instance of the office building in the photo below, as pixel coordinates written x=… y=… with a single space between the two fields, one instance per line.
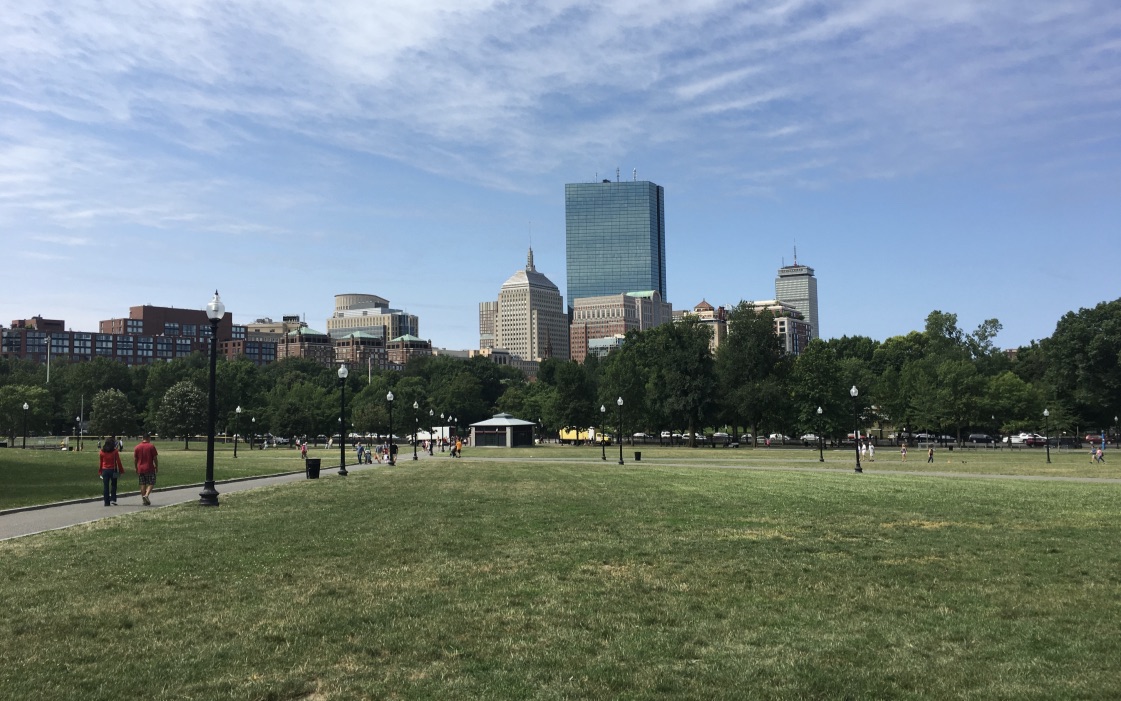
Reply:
x=615 y=238
x=370 y=314
x=530 y=321
x=797 y=286
x=612 y=316
x=791 y=326
x=488 y=315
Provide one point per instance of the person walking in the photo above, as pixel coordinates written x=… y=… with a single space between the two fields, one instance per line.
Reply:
x=147 y=461
x=303 y=450
x=930 y=454
x=871 y=452
x=109 y=469
x=903 y=452
x=458 y=447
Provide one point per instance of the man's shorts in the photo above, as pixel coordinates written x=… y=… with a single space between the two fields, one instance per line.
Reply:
x=147 y=478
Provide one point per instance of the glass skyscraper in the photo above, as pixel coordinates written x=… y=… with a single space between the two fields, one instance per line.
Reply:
x=615 y=238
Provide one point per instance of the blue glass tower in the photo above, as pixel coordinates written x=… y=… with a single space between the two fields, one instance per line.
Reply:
x=615 y=238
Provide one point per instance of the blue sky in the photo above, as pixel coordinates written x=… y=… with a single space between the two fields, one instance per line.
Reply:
x=961 y=156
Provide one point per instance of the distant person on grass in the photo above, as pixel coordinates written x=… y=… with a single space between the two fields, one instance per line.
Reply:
x=930 y=454
x=146 y=458
x=110 y=468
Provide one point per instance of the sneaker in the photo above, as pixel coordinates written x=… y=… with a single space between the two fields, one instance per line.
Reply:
x=147 y=501
x=114 y=502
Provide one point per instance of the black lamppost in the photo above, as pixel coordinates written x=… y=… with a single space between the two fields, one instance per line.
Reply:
x=1047 y=434
x=416 y=427
x=443 y=424
x=619 y=401
x=215 y=310
x=820 y=438
x=78 y=423
x=389 y=399
x=602 y=423
x=253 y=433
x=1114 y=430
x=237 y=426
x=25 y=408
x=343 y=372
x=854 y=393
x=432 y=433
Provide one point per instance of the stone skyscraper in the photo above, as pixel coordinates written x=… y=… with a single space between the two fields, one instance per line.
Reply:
x=797 y=286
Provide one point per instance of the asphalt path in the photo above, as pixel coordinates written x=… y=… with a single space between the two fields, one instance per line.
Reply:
x=16 y=523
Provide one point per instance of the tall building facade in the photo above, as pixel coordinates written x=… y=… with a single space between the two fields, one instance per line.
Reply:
x=610 y=317
x=370 y=314
x=797 y=286
x=715 y=318
x=530 y=321
x=488 y=315
x=615 y=238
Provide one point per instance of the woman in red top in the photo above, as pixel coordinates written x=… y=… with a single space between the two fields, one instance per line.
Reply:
x=110 y=467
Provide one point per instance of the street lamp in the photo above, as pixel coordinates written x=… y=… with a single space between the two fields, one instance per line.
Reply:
x=602 y=422
x=253 y=434
x=416 y=426
x=432 y=433
x=392 y=460
x=619 y=401
x=820 y=439
x=25 y=408
x=78 y=423
x=854 y=393
x=1047 y=434
x=343 y=372
x=237 y=425
x=215 y=310
x=443 y=423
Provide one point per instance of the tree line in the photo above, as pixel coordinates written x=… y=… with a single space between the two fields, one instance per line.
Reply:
x=941 y=380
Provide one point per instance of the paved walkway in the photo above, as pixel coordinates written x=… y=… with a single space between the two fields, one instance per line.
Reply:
x=16 y=523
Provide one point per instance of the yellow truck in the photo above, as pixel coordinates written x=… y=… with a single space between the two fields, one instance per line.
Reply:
x=583 y=436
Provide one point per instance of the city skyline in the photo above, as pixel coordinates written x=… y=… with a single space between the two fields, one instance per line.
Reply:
x=956 y=156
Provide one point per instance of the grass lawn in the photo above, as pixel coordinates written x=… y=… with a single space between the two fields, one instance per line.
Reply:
x=543 y=580
x=45 y=476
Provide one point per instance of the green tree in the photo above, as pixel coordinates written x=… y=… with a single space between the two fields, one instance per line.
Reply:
x=1083 y=362
x=182 y=412
x=681 y=383
x=12 y=414
x=751 y=368
x=816 y=381
x=112 y=413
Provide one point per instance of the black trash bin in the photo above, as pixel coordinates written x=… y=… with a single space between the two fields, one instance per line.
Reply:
x=638 y=456
x=312 y=468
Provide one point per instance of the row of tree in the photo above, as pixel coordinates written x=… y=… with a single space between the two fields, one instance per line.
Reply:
x=940 y=379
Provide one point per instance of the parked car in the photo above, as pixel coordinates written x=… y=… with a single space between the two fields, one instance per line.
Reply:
x=809 y=438
x=979 y=438
x=640 y=434
x=1035 y=440
x=778 y=437
x=720 y=436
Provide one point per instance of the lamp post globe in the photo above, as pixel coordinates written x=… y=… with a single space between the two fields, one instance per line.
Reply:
x=1047 y=434
x=392 y=457
x=820 y=438
x=619 y=401
x=416 y=426
x=237 y=426
x=215 y=310
x=854 y=393
x=25 y=408
x=343 y=373
x=602 y=423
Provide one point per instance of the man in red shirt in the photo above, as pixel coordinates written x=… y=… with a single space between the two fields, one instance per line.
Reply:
x=146 y=460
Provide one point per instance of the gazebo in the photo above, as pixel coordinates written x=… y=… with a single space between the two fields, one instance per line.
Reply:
x=502 y=431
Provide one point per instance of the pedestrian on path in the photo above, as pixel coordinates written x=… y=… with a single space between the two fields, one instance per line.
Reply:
x=147 y=462
x=110 y=468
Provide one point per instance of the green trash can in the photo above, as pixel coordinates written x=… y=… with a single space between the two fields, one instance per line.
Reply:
x=638 y=456
x=311 y=468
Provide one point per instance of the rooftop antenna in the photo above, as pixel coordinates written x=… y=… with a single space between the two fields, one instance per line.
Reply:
x=634 y=174
x=795 y=251
x=616 y=173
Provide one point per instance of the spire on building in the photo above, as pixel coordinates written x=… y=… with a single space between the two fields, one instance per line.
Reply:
x=529 y=260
